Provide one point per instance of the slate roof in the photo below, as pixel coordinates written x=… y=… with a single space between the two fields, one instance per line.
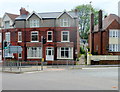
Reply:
x=12 y=16
x=47 y=15
x=107 y=21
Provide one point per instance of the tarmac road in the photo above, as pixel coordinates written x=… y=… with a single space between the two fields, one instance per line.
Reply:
x=105 y=78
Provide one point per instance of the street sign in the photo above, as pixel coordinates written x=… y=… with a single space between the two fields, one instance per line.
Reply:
x=5 y=47
x=14 y=49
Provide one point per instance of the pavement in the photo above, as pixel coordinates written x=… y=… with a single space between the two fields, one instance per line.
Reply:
x=24 y=69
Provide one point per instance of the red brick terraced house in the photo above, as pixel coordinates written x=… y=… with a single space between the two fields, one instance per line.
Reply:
x=59 y=28
x=104 y=38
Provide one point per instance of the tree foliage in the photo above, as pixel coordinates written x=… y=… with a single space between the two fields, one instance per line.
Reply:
x=84 y=12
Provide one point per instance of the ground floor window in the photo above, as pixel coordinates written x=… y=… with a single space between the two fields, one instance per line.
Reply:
x=19 y=55
x=114 y=47
x=65 y=53
x=34 y=52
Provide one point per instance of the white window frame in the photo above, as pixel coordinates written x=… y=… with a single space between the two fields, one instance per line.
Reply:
x=114 y=47
x=59 y=53
x=51 y=35
x=30 y=52
x=68 y=38
x=115 y=31
x=63 y=21
x=8 y=24
x=37 y=36
x=7 y=39
x=19 y=34
x=19 y=54
x=34 y=23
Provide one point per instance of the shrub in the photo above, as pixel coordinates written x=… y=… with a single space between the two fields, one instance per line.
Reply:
x=82 y=51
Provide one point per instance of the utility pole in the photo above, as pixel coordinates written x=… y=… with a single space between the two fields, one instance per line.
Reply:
x=4 y=50
x=42 y=52
x=43 y=41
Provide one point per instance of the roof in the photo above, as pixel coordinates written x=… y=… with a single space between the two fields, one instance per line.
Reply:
x=48 y=15
x=107 y=21
x=12 y=16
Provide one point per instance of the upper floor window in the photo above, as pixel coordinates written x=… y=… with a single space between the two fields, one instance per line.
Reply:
x=7 y=36
x=114 y=47
x=64 y=22
x=7 y=24
x=19 y=36
x=114 y=33
x=65 y=36
x=34 y=23
x=49 y=36
x=34 y=36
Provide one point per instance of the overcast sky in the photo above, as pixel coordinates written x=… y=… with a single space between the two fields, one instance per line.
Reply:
x=13 y=6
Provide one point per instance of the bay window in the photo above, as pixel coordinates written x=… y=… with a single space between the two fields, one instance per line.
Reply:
x=34 y=52
x=64 y=53
x=64 y=22
x=7 y=36
x=34 y=23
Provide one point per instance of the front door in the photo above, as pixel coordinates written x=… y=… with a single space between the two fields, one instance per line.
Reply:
x=50 y=53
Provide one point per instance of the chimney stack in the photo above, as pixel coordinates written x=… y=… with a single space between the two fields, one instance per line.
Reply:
x=100 y=21
x=92 y=22
x=76 y=11
x=23 y=11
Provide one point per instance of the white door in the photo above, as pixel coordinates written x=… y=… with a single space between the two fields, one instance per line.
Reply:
x=50 y=53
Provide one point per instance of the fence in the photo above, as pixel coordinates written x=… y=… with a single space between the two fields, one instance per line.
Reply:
x=19 y=67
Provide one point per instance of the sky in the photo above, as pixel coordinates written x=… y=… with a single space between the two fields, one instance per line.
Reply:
x=13 y=6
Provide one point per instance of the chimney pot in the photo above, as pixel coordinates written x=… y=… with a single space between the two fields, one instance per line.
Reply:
x=100 y=20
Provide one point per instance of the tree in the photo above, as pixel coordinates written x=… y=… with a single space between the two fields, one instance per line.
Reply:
x=84 y=12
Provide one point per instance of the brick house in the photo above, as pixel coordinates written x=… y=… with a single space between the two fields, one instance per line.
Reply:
x=59 y=28
x=104 y=38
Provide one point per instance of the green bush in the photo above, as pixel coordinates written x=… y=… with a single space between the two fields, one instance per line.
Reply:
x=82 y=51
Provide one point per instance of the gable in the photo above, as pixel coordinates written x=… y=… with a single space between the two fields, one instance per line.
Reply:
x=6 y=18
x=32 y=15
x=64 y=14
x=114 y=25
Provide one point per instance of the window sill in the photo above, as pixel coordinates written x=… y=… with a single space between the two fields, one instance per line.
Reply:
x=19 y=41
x=64 y=58
x=49 y=41
x=65 y=41
x=34 y=57
x=34 y=41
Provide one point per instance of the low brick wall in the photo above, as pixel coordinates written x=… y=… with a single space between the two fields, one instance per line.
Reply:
x=103 y=59
x=61 y=62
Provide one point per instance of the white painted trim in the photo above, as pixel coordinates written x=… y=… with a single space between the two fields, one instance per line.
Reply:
x=31 y=36
x=47 y=36
x=10 y=36
x=62 y=36
x=18 y=36
x=69 y=53
x=18 y=55
x=32 y=14
x=34 y=57
x=63 y=13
